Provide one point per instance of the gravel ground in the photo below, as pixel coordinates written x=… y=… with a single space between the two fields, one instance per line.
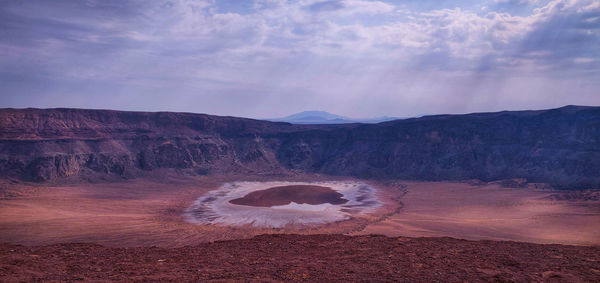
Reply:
x=315 y=258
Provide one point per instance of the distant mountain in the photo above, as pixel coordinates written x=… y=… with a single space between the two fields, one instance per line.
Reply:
x=322 y=117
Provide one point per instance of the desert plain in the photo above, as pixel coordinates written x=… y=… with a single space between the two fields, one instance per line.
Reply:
x=147 y=212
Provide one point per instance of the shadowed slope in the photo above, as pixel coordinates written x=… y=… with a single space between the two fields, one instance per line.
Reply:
x=559 y=146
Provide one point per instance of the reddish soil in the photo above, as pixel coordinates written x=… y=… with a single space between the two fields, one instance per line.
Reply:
x=143 y=212
x=316 y=258
x=140 y=212
x=493 y=212
x=295 y=193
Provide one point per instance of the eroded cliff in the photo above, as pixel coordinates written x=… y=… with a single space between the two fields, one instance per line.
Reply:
x=559 y=146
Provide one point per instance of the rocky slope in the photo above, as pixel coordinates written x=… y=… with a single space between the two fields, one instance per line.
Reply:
x=315 y=258
x=560 y=146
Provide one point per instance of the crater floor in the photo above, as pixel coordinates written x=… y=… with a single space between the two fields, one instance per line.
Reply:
x=283 y=204
x=143 y=212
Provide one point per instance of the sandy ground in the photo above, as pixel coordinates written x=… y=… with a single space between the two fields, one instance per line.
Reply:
x=433 y=209
x=146 y=213
x=133 y=213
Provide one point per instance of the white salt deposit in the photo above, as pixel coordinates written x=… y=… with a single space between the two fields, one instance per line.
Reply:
x=214 y=207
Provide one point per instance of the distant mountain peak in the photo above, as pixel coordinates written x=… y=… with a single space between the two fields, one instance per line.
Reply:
x=324 y=117
x=317 y=114
x=314 y=112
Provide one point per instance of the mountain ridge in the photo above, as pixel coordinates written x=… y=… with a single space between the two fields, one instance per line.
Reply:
x=559 y=146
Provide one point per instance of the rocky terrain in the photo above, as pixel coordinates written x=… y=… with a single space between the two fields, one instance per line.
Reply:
x=315 y=258
x=558 y=146
x=58 y=169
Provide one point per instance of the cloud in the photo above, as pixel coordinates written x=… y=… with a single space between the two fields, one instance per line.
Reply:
x=326 y=6
x=262 y=56
x=348 y=7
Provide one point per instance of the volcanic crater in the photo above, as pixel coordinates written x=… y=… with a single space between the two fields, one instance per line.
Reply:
x=283 y=204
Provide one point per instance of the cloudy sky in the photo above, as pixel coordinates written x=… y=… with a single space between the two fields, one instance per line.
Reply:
x=271 y=58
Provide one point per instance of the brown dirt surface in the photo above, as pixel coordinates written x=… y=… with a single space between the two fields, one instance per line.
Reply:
x=139 y=212
x=577 y=195
x=148 y=213
x=283 y=195
x=316 y=258
x=494 y=212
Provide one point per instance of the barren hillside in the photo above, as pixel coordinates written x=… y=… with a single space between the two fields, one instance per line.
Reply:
x=558 y=146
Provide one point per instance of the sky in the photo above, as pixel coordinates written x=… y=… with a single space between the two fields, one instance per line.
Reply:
x=273 y=58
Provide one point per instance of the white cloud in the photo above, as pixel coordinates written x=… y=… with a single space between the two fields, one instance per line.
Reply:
x=346 y=7
x=333 y=51
x=583 y=60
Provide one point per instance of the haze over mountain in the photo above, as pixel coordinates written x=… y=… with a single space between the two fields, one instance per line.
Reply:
x=323 y=117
